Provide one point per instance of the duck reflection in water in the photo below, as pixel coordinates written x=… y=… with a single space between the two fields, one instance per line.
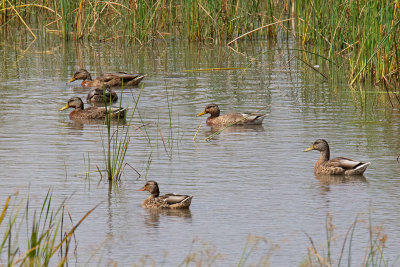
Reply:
x=327 y=179
x=234 y=129
x=153 y=216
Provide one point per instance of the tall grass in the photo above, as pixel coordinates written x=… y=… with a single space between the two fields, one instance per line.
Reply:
x=142 y=20
x=362 y=33
x=45 y=234
x=117 y=140
x=360 y=36
x=374 y=253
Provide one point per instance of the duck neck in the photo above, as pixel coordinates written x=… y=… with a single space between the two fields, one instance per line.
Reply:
x=81 y=107
x=214 y=114
x=155 y=193
x=324 y=155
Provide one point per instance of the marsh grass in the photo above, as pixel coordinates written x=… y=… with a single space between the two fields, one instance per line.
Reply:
x=47 y=234
x=117 y=140
x=359 y=36
x=374 y=252
x=205 y=254
x=142 y=20
x=363 y=33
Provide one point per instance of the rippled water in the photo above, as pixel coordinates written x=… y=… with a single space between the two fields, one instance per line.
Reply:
x=252 y=183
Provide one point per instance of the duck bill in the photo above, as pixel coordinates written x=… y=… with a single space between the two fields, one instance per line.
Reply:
x=64 y=107
x=141 y=189
x=309 y=149
x=201 y=113
x=72 y=79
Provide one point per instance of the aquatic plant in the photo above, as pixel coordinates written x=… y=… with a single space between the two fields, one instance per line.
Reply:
x=374 y=251
x=117 y=140
x=364 y=34
x=42 y=230
x=141 y=21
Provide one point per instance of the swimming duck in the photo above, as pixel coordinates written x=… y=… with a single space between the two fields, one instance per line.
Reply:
x=336 y=166
x=168 y=201
x=92 y=112
x=98 y=95
x=216 y=119
x=108 y=79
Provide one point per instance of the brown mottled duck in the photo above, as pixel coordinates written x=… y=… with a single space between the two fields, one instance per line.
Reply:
x=108 y=79
x=98 y=95
x=91 y=113
x=335 y=166
x=168 y=201
x=216 y=119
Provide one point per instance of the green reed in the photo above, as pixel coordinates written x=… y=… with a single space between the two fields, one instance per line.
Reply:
x=117 y=141
x=359 y=37
x=142 y=20
x=363 y=33
x=45 y=234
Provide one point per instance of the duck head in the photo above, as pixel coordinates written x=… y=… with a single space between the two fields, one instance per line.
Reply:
x=81 y=74
x=152 y=187
x=211 y=109
x=319 y=144
x=74 y=102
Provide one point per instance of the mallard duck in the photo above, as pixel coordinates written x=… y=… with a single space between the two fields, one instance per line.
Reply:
x=216 y=119
x=92 y=112
x=168 y=201
x=336 y=166
x=108 y=79
x=98 y=95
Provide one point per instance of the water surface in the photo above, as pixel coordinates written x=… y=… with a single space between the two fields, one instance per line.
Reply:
x=248 y=184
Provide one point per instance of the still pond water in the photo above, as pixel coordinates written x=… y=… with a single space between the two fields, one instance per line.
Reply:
x=248 y=184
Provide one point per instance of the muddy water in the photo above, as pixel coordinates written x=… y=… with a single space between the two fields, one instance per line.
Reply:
x=249 y=185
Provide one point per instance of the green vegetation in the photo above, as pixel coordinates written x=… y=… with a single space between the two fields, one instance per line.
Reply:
x=374 y=251
x=362 y=34
x=359 y=36
x=117 y=142
x=138 y=21
x=46 y=236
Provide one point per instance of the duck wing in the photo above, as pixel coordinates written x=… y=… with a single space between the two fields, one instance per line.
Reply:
x=253 y=118
x=345 y=163
x=100 y=112
x=237 y=119
x=117 y=76
x=171 y=199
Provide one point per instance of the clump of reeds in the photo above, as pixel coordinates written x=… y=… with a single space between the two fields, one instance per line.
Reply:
x=141 y=21
x=45 y=234
x=364 y=34
x=117 y=141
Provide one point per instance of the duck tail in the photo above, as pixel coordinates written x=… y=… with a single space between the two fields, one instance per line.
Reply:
x=362 y=166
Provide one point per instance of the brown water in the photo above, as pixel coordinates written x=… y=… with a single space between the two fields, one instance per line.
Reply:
x=245 y=182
